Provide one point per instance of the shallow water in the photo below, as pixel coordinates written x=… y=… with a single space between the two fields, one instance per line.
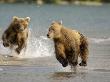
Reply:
x=51 y=74
x=39 y=63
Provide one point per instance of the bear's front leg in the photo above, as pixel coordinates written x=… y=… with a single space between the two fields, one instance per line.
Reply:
x=21 y=45
x=62 y=60
x=5 y=39
x=18 y=50
x=60 y=55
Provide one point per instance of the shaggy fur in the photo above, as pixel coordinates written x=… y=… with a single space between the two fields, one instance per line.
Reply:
x=69 y=44
x=16 y=34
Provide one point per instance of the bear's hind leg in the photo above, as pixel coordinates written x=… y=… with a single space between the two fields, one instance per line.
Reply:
x=72 y=58
x=72 y=61
x=84 y=51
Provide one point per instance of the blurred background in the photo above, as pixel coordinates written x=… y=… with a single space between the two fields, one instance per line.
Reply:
x=51 y=1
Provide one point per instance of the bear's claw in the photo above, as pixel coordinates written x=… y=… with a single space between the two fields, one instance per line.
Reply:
x=83 y=63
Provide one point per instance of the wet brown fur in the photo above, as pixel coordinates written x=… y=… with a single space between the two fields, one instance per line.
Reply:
x=69 y=45
x=14 y=37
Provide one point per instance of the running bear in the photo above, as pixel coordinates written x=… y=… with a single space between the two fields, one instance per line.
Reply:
x=69 y=45
x=16 y=34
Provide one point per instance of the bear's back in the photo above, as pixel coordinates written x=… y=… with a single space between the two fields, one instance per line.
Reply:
x=71 y=35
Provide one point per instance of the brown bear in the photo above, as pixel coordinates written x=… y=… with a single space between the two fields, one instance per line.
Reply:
x=16 y=34
x=69 y=44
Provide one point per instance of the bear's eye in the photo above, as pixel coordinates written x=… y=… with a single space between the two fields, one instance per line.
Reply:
x=50 y=29
x=53 y=29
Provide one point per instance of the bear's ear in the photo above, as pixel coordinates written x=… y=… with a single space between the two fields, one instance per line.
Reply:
x=60 y=22
x=15 y=18
x=27 y=19
x=53 y=22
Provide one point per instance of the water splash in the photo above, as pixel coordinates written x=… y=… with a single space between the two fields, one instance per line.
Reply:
x=39 y=47
x=36 y=47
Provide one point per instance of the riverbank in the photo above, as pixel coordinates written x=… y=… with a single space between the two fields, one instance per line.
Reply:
x=39 y=2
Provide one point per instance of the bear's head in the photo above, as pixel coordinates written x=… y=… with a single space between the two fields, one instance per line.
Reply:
x=20 y=24
x=54 y=30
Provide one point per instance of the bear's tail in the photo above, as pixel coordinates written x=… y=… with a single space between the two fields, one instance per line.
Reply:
x=83 y=50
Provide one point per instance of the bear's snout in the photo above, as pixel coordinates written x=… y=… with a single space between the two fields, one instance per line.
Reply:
x=21 y=29
x=48 y=35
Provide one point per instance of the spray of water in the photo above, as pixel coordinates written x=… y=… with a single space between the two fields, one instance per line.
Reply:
x=36 y=47
x=41 y=46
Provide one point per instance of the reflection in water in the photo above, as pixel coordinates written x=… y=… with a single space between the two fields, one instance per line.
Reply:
x=74 y=69
x=63 y=75
x=68 y=75
x=102 y=70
